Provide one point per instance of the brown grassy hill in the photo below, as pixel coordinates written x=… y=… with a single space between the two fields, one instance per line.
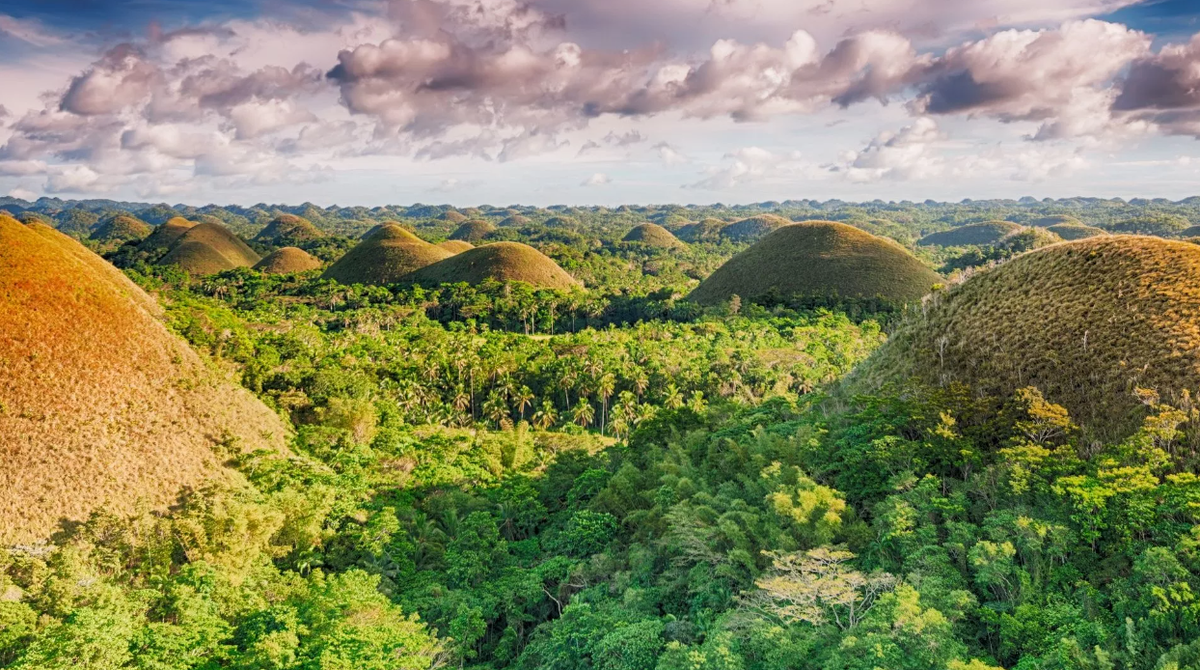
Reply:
x=515 y=220
x=456 y=246
x=207 y=248
x=753 y=228
x=384 y=257
x=453 y=217
x=819 y=258
x=121 y=228
x=707 y=230
x=287 y=260
x=989 y=232
x=1055 y=220
x=288 y=230
x=472 y=231
x=165 y=235
x=1084 y=321
x=502 y=261
x=1075 y=231
x=100 y=405
x=653 y=235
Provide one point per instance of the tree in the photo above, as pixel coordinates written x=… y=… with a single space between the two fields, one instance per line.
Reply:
x=819 y=587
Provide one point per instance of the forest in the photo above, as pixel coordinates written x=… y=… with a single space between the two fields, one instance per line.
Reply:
x=493 y=475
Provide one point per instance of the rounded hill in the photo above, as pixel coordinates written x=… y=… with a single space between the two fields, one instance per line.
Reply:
x=102 y=405
x=989 y=232
x=1055 y=220
x=653 y=235
x=1087 y=322
x=502 y=261
x=706 y=230
x=819 y=259
x=1075 y=231
x=753 y=228
x=287 y=260
x=472 y=231
x=121 y=228
x=289 y=230
x=385 y=256
x=456 y=246
x=166 y=234
x=209 y=248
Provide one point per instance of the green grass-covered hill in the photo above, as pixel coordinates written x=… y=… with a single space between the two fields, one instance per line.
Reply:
x=1075 y=231
x=121 y=228
x=472 y=231
x=209 y=248
x=289 y=230
x=385 y=256
x=502 y=261
x=989 y=232
x=165 y=234
x=287 y=260
x=653 y=235
x=753 y=228
x=819 y=258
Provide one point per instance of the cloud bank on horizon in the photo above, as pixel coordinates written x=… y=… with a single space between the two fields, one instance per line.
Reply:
x=549 y=101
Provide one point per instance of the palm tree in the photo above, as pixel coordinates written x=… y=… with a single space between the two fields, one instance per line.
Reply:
x=546 y=416
x=605 y=388
x=523 y=398
x=583 y=414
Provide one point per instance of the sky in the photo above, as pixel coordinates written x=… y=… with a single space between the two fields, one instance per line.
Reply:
x=605 y=102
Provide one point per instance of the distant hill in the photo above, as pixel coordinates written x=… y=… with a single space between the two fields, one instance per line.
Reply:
x=453 y=217
x=472 y=231
x=502 y=261
x=287 y=260
x=706 y=230
x=456 y=246
x=515 y=220
x=101 y=404
x=289 y=230
x=1075 y=231
x=121 y=228
x=1055 y=220
x=819 y=258
x=653 y=235
x=753 y=228
x=1086 y=322
x=209 y=248
x=165 y=234
x=986 y=233
x=385 y=256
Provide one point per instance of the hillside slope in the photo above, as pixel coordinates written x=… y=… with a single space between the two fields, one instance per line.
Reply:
x=384 y=256
x=209 y=248
x=502 y=261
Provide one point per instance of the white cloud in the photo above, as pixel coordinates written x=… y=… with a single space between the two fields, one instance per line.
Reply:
x=598 y=179
x=23 y=194
x=29 y=31
x=757 y=165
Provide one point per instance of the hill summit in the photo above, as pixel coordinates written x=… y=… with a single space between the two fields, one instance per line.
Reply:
x=120 y=228
x=385 y=256
x=653 y=235
x=286 y=260
x=502 y=261
x=100 y=405
x=209 y=248
x=1085 y=321
x=165 y=234
x=472 y=231
x=988 y=232
x=819 y=259
x=288 y=230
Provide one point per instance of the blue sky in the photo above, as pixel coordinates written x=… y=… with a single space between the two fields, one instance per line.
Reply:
x=598 y=101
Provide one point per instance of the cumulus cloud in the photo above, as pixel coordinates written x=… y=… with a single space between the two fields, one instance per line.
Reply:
x=669 y=155
x=1164 y=89
x=23 y=194
x=902 y=155
x=598 y=179
x=756 y=165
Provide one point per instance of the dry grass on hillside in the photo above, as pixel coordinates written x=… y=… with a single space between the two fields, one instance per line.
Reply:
x=1084 y=321
x=819 y=259
x=707 y=230
x=456 y=246
x=472 y=231
x=1075 y=231
x=121 y=228
x=287 y=260
x=165 y=235
x=288 y=229
x=209 y=248
x=385 y=256
x=753 y=228
x=100 y=405
x=653 y=235
x=502 y=261
x=989 y=232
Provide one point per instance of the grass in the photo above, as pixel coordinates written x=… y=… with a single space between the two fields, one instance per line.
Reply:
x=101 y=405
x=208 y=248
x=121 y=228
x=456 y=246
x=653 y=235
x=986 y=233
x=287 y=260
x=502 y=261
x=1075 y=231
x=819 y=259
x=707 y=230
x=166 y=234
x=385 y=256
x=753 y=228
x=516 y=220
x=1055 y=220
x=472 y=231
x=1087 y=322
x=288 y=229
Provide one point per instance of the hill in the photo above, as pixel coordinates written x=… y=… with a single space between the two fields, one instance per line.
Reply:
x=453 y=216
x=707 y=230
x=472 y=231
x=502 y=261
x=515 y=220
x=287 y=260
x=288 y=230
x=1192 y=231
x=166 y=234
x=1055 y=220
x=1075 y=231
x=385 y=256
x=101 y=404
x=986 y=233
x=819 y=258
x=653 y=235
x=1084 y=321
x=753 y=228
x=121 y=228
x=207 y=249
x=456 y=246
